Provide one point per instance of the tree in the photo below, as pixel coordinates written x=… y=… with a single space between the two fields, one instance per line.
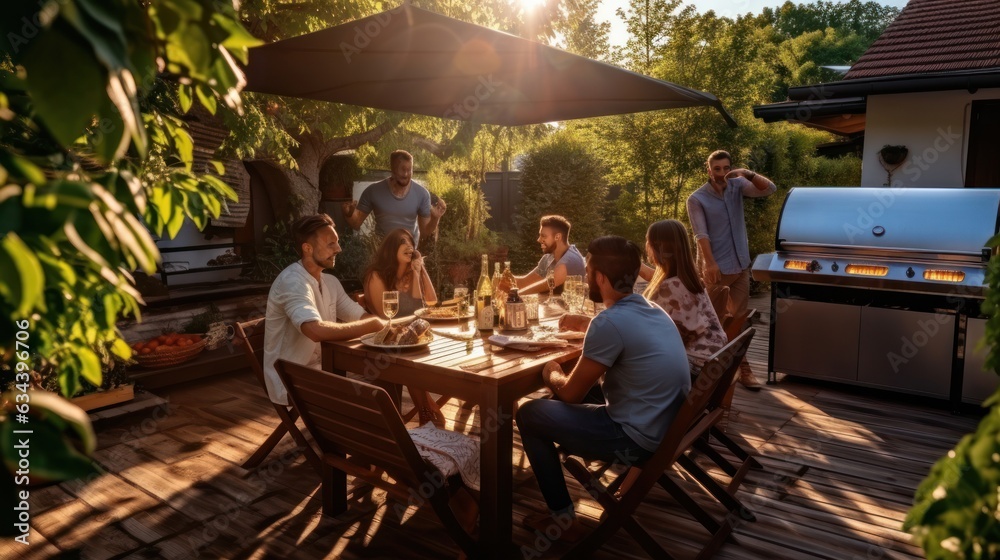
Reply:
x=298 y=136
x=954 y=512
x=865 y=19
x=561 y=176
x=582 y=33
x=94 y=156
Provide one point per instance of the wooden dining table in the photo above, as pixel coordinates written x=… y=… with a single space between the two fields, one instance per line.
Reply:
x=476 y=372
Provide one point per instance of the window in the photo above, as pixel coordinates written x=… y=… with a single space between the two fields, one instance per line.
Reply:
x=982 y=169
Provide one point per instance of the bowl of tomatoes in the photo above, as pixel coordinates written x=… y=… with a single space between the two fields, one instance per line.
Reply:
x=168 y=349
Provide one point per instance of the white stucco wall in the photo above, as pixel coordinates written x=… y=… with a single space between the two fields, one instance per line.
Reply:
x=935 y=128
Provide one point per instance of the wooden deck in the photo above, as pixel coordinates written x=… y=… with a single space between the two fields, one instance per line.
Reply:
x=840 y=471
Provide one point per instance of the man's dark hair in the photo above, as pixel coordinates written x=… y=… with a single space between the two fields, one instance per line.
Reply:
x=398 y=156
x=717 y=154
x=558 y=224
x=617 y=259
x=304 y=228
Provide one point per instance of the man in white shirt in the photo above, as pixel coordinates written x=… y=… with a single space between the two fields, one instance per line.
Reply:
x=305 y=305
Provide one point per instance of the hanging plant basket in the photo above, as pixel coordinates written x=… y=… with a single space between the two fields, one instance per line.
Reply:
x=893 y=155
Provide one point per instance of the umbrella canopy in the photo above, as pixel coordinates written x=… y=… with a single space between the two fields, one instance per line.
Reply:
x=415 y=61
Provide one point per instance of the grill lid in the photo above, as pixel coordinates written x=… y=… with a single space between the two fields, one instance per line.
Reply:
x=935 y=223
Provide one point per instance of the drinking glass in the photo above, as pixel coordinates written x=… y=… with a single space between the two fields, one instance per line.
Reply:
x=531 y=306
x=390 y=304
x=581 y=294
x=463 y=303
x=550 y=279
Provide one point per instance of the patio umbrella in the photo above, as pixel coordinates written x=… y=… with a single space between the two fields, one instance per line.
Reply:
x=415 y=61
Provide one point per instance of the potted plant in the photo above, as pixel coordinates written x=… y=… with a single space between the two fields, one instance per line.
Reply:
x=893 y=155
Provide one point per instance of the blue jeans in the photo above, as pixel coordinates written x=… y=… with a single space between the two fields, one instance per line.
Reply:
x=584 y=430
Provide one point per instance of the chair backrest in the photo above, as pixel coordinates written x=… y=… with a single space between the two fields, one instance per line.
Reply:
x=735 y=324
x=724 y=365
x=250 y=334
x=349 y=417
x=710 y=387
x=719 y=296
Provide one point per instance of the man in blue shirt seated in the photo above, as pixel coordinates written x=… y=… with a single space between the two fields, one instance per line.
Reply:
x=559 y=259
x=638 y=350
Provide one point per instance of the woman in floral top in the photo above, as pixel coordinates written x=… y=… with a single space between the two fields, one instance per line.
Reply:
x=676 y=287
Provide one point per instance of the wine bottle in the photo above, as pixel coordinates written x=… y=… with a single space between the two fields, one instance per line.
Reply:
x=516 y=311
x=484 y=297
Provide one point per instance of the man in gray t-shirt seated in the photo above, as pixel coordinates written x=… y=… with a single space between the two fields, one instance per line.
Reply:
x=639 y=351
x=398 y=203
x=558 y=258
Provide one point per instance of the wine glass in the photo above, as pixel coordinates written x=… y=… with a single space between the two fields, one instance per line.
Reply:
x=550 y=279
x=390 y=304
x=462 y=294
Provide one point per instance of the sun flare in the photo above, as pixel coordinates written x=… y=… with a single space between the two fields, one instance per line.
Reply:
x=530 y=5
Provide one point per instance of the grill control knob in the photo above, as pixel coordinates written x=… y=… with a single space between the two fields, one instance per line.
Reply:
x=813 y=266
x=835 y=267
x=909 y=272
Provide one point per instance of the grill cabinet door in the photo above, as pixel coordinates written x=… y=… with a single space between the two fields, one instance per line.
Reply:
x=816 y=339
x=909 y=351
x=977 y=383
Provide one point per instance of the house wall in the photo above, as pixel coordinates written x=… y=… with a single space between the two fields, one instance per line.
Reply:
x=935 y=128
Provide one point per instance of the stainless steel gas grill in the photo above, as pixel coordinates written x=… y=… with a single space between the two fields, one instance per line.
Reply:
x=882 y=288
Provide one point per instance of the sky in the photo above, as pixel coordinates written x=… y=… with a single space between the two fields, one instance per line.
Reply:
x=728 y=8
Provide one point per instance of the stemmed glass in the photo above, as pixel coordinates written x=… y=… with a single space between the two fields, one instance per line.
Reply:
x=462 y=295
x=550 y=279
x=390 y=304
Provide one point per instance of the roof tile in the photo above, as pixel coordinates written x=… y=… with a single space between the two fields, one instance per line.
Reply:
x=935 y=36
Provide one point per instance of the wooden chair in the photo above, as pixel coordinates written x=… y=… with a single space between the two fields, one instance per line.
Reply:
x=730 y=357
x=251 y=335
x=407 y=416
x=360 y=432
x=621 y=498
x=719 y=297
x=733 y=327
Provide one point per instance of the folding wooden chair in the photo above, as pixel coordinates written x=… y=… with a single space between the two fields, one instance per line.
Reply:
x=251 y=335
x=719 y=296
x=360 y=432
x=621 y=498
x=729 y=357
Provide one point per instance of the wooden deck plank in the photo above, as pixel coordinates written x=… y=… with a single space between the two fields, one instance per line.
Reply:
x=840 y=469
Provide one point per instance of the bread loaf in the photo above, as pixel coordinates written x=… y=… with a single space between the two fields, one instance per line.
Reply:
x=412 y=333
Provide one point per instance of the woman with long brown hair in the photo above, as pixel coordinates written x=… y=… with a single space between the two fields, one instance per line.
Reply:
x=398 y=266
x=677 y=288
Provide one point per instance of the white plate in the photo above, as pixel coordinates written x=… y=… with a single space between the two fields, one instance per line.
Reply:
x=368 y=340
x=422 y=313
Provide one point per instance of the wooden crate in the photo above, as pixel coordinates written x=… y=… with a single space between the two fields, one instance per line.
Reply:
x=100 y=399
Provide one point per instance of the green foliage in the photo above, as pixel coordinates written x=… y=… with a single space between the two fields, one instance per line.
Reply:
x=91 y=142
x=462 y=234
x=865 y=19
x=93 y=155
x=278 y=252
x=583 y=33
x=358 y=250
x=561 y=176
x=61 y=441
x=954 y=515
x=955 y=508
